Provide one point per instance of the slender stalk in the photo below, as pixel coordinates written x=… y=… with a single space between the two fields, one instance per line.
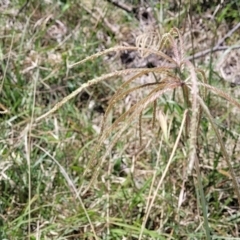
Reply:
x=202 y=199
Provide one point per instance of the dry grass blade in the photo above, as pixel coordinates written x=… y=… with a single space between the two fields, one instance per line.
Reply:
x=88 y=84
x=220 y=93
x=194 y=118
x=121 y=48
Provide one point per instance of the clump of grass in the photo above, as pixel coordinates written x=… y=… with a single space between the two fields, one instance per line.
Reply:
x=177 y=73
x=59 y=179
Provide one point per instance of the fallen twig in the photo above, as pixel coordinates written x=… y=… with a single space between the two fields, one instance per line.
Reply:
x=218 y=46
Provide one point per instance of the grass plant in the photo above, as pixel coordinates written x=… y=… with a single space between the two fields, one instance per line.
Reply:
x=160 y=166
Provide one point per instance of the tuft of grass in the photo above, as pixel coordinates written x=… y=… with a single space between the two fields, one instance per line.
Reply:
x=159 y=163
x=192 y=97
